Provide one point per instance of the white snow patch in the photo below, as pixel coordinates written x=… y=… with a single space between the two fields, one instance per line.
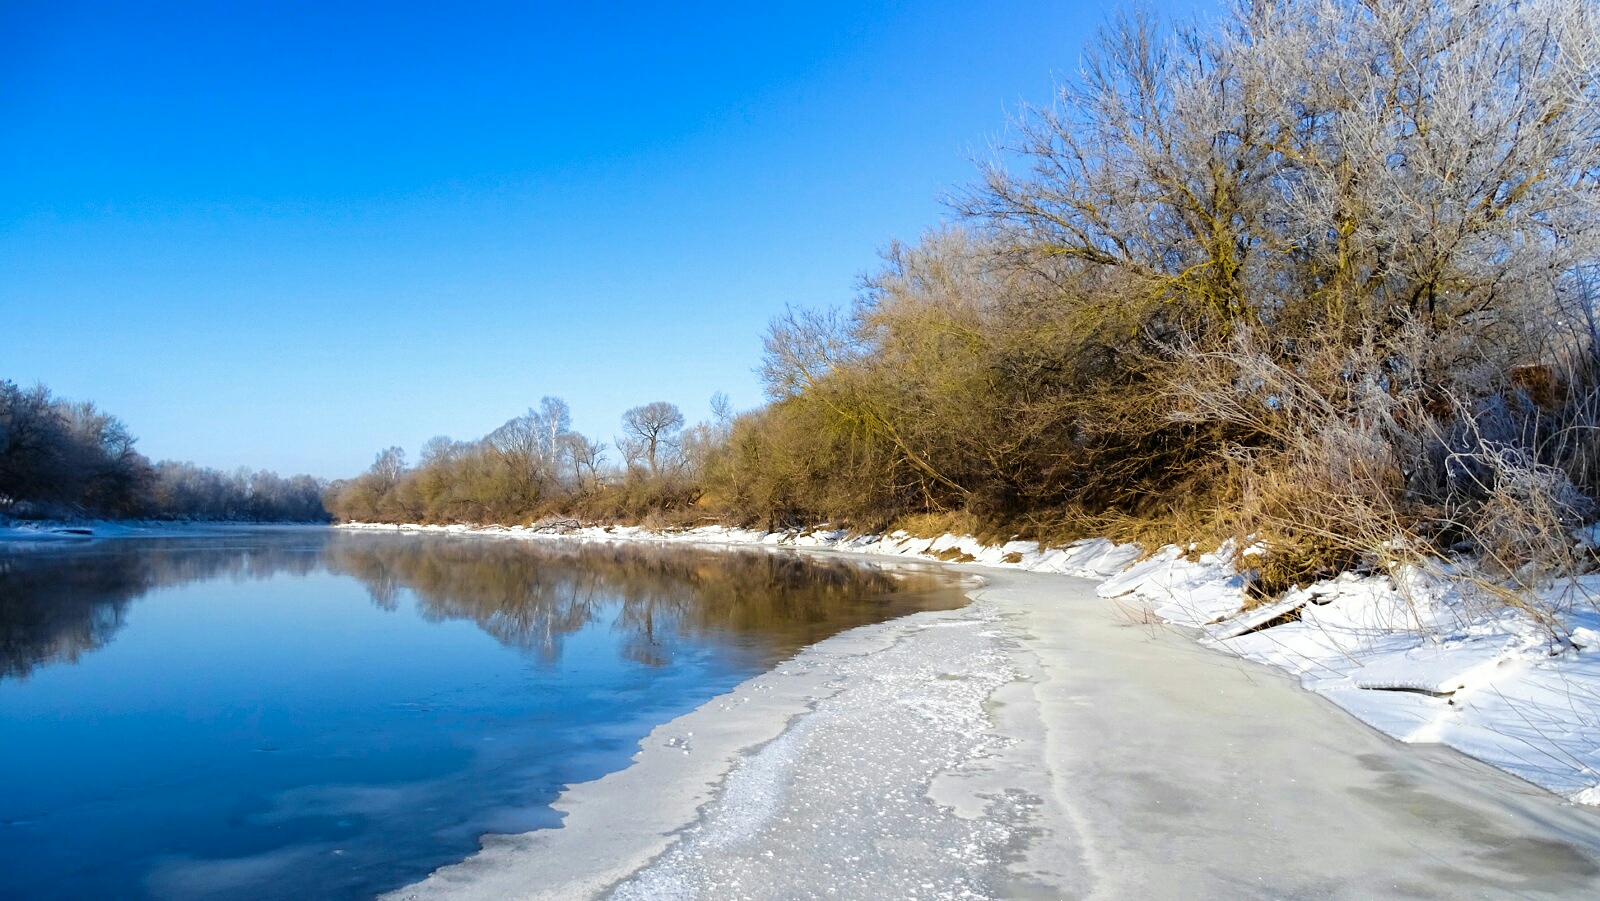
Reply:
x=1416 y=658
x=1183 y=591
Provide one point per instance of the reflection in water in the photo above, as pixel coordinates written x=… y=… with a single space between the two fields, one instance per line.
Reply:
x=57 y=603
x=60 y=602
x=291 y=713
x=531 y=600
x=48 y=615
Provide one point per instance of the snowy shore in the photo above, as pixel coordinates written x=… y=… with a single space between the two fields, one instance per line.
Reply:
x=1051 y=740
x=1409 y=655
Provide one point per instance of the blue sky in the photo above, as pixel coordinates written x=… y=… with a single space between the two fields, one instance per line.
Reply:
x=288 y=235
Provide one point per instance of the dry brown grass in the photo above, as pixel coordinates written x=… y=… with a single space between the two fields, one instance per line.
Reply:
x=934 y=525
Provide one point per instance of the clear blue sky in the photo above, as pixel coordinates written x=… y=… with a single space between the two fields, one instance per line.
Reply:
x=287 y=235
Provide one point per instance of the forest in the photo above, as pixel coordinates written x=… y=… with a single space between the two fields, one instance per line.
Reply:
x=64 y=460
x=1321 y=275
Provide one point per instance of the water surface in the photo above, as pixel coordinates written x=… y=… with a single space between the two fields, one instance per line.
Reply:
x=295 y=713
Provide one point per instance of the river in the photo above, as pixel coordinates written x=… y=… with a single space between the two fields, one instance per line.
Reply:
x=290 y=713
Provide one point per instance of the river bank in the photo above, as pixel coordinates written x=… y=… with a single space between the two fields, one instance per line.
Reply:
x=1042 y=742
x=1415 y=655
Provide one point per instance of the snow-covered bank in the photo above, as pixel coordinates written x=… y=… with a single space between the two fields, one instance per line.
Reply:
x=1412 y=656
x=1039 y=742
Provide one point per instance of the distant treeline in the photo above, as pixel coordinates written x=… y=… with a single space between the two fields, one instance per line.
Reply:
x=535 y=466
x=63 y=460
x=1321 y=275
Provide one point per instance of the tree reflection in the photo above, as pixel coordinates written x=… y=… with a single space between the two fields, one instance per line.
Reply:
x=57 y=604
x=533 y=596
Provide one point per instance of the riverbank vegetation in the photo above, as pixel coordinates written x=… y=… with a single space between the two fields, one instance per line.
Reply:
x=1321 y=276
x=65 y=460
x=536 y=466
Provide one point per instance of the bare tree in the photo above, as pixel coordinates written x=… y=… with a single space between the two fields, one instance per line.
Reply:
x=802 y=346
x=649 y=432
x=520 y=446
x=389 y=466
x=1335 y=162
x=438 y=449
x=585 y=456
x=722 y=414
x=556 y=417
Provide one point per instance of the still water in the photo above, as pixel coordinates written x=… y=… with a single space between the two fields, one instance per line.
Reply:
x=307 y=713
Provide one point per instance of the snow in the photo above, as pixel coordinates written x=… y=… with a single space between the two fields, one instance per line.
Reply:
x=803 y=811
x=1182 y=591
x=1415 y=655
x=1419 y=658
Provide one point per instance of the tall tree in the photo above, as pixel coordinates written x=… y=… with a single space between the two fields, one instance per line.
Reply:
x=649 y=432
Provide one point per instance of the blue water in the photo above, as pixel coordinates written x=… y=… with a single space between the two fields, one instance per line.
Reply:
x=315 y=714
